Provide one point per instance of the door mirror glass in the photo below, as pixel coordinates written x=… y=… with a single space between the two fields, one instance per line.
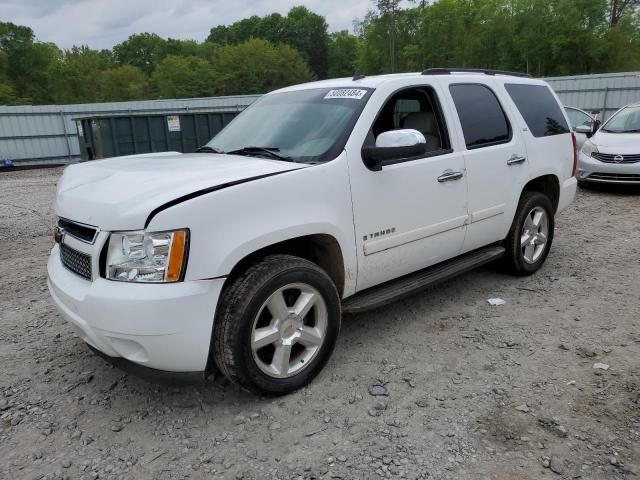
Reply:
x=394 y=145
x=586 y=129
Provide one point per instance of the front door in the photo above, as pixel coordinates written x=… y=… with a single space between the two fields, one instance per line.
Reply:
x=412 y=213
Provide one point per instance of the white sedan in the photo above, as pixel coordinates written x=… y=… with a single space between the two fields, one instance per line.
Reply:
x=612 y=154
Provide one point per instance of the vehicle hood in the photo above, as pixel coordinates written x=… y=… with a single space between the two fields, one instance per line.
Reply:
x=622 y=143
x=120 y=193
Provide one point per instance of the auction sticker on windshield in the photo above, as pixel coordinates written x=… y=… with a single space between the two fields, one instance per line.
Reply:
x=355 y=93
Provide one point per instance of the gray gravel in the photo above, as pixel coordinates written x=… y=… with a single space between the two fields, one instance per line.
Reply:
x=473 y=391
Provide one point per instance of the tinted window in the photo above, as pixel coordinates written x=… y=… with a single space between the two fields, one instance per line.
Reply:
x=481 y=116
x=539 y=109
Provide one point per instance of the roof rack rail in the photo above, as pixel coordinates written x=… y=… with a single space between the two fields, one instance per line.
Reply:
x=449 y=71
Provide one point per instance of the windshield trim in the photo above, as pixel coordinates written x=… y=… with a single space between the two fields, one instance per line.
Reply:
x=338 y=146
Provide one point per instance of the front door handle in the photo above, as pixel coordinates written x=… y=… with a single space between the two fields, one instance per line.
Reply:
x=516 y=160
x=449 y=175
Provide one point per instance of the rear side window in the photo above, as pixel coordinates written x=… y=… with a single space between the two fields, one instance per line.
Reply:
x=539 y=109
x=482 y=118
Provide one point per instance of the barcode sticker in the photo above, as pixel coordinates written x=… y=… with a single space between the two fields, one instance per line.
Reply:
x=355 y=93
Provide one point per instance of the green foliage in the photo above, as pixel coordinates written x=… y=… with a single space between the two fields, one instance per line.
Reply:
x=343 y=54
x=542 y=37
x=258 y=54
x=258 y=66
x=142 y=50
x=301 y=29
x=122 y=83
x=76 y=76
x=27 y=63
x=182 y=77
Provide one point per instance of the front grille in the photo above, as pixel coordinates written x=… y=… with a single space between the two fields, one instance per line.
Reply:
x=78 y=230
x=611 y=157
x=78 y=262
x=615 y=177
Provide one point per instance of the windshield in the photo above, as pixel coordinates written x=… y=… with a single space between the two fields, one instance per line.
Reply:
x=305 y=125
x=626 y=120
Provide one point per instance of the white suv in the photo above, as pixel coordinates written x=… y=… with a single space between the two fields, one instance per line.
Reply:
x=320 y=199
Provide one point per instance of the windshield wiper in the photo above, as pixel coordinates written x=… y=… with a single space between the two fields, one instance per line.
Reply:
x=270 y=152
x=208 y=149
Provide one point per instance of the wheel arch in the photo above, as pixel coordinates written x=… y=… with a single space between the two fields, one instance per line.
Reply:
x=548 y=185
x=322 y=249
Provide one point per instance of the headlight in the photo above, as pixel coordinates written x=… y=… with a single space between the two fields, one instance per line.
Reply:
x=589 y=147
x=147 y=257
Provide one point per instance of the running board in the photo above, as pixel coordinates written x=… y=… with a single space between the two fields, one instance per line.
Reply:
x=402 y=287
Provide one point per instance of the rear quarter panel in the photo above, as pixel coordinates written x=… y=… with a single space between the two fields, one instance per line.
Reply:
x=550 y=155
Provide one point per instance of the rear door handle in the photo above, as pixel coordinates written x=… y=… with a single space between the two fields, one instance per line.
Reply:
x=516 y=160
x=449 y=175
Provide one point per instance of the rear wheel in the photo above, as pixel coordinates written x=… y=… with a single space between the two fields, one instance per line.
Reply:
x=531 y=234
x=276 y=325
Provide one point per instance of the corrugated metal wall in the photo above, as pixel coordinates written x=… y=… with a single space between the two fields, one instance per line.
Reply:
x=47 y=134
x=606 y=93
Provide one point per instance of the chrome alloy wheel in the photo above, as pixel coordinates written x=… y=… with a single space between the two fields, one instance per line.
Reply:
x=534 y=236
x=289 y=330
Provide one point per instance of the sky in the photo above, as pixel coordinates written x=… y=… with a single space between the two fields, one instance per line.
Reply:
x=104 y=23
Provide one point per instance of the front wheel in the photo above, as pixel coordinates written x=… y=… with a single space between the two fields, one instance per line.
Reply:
x=531 y=234
x=276 y=325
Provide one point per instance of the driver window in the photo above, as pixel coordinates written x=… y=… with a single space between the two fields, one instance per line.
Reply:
x=414 y=108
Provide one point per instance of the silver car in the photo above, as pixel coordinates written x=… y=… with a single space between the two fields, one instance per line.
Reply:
x=612 y=154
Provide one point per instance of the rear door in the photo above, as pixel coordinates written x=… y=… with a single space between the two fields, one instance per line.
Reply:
x=495 y=158
x=545 y=129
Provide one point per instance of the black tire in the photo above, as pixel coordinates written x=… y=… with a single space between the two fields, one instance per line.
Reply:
x=239 y=307
x=513 y=259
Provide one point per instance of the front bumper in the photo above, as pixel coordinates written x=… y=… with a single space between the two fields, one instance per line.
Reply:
x=592 y=170
x=160 y=326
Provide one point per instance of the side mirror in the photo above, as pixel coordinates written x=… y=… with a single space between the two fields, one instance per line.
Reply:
x=394 y=145
x=586 y=129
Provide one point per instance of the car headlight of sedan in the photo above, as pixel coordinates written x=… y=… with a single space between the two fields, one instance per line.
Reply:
x=145 y=257
x=589 y=147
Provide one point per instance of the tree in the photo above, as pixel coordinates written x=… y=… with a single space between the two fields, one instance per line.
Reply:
x=301 y=29
x=76 y=76
x=342 y=54
x=388 y=10
x=143 y=50
x=618 y=8
x=258 y=66
x=122 y=83
x=183 y=77
x=7 y=95
x=27 y=63
x=307 y=32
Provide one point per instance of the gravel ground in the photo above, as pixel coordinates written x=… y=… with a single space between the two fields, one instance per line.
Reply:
x=472 y=391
